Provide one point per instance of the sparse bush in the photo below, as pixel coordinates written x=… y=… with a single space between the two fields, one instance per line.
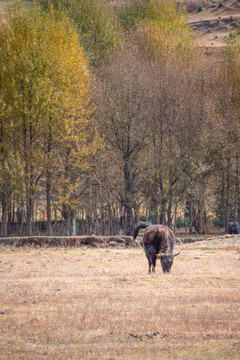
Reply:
x=221 y=4
x=134 y=12
x=182 y=222
x=200 y=8
x=232 y=35
x=218 y=222
x=192 y=5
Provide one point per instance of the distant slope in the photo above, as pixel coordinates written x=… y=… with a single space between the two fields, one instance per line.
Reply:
x=216 y=24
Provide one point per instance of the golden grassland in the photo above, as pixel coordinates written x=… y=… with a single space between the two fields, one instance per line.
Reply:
x=88 y=303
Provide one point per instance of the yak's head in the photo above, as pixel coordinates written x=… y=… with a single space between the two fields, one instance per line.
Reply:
x=166 y=261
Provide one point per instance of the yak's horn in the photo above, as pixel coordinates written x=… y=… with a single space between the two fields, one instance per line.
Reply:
x=177 y=253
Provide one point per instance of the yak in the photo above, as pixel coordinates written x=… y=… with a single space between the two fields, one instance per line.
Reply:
x=233 y=228
x=158 y=243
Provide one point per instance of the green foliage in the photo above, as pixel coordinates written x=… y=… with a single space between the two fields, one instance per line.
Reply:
x=131 y=14
x=161 y=26
x=98 y=26
x=221 y=4
x=218 y=211
x=200 y=8
x=182 y=222
x=218 y=222
x=233 y=35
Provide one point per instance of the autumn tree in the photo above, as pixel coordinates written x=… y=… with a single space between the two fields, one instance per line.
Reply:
x=44 y=84
x=227 y=128
x=101 y=33
x=166 y=42
x=160 y=27
x=124 y=121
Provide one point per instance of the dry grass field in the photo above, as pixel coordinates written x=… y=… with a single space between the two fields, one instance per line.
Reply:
x=85 y=303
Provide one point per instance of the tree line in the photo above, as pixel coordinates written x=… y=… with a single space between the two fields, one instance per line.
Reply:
x=111 y=113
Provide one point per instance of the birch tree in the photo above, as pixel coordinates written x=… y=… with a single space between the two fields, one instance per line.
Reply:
x=45 y=94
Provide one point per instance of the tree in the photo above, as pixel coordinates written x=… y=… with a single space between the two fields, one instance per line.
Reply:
x=124 y=120
x=101 y=33
x=45 y=92
x=227 y=128
x=160 y=27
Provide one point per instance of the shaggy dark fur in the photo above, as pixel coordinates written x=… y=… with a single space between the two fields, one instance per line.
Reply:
x=158 y=242
x=233 y=228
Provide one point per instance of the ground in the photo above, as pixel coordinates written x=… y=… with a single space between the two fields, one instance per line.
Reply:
x=90 y=303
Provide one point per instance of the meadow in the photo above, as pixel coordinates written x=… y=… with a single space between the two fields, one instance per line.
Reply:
x=101 y=303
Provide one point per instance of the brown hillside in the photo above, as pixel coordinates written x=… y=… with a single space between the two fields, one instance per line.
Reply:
x=217 y=21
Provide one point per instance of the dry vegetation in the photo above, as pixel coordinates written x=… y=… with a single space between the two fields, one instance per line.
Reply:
x=85 y=303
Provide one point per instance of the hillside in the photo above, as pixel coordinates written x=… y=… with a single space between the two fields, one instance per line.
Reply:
x=216 y=22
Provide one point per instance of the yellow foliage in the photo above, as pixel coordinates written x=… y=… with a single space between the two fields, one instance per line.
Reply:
x=164 y=29
x=44 y=86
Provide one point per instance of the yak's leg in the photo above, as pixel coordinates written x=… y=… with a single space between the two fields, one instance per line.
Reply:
x=149 y=265
x=151 y=256
x=153 y=264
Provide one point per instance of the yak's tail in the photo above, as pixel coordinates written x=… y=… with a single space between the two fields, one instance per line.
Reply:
x=141 y=225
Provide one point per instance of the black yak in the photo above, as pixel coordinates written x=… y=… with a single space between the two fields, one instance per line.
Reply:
x=158 y=243
x=233 y=228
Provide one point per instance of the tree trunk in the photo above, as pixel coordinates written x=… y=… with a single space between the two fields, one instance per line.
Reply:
x=190 y=215
x=175 y=217
x=223 y=198
x=27 y=180
x=236 y=207
x=68 y=217
x=49 y=209
x=155 y=152
x=109 y=220
x=206 y=221
x=227 y=192
x=48 y=180
x=170 y=200
x=129 y=221
x=4 y=229
x=162 y=213
x=6 y=183
x=127 y=197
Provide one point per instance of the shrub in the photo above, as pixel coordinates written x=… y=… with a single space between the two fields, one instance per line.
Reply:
x=182 y=222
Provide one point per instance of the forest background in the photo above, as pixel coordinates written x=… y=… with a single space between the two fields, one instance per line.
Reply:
x=114 y=112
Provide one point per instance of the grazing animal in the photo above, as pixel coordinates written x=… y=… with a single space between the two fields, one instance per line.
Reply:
x=158 y=243
x=233 y=228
